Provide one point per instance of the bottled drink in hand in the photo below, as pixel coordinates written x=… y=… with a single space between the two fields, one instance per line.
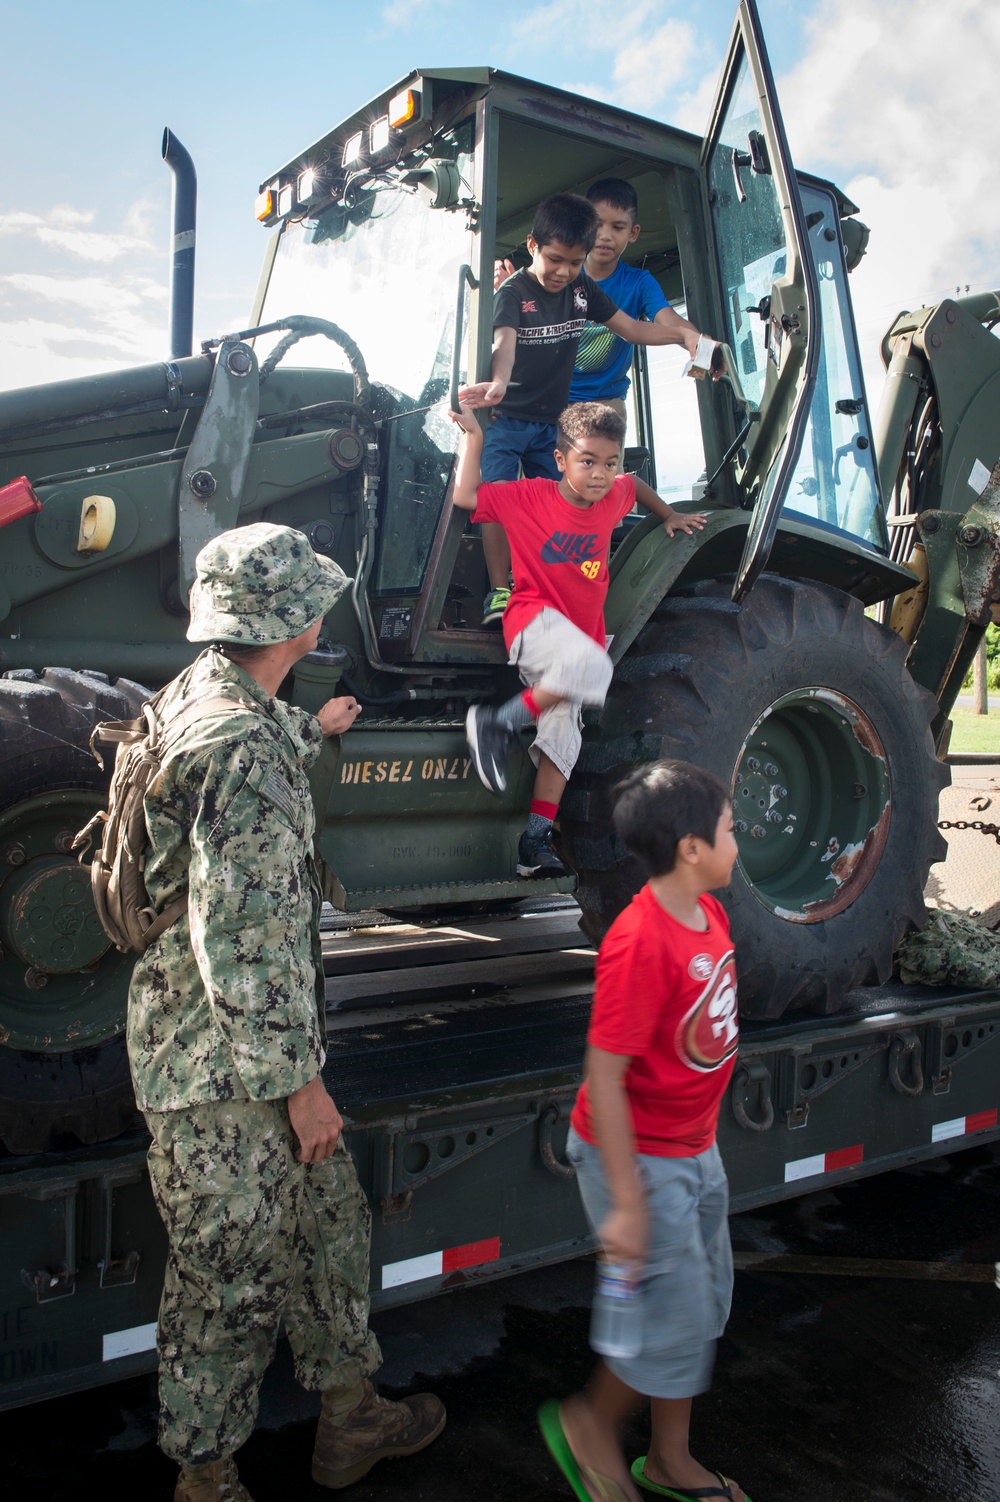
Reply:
x=616 y=1317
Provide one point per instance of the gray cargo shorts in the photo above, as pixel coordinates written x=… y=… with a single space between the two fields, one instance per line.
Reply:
x=687 y=1285
x=553 y=654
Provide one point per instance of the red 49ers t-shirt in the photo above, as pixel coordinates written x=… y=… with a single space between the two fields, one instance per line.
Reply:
x=559 y=552
x=666 y=996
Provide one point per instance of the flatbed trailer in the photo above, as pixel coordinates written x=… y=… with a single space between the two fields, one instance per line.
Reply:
x=454 y=1054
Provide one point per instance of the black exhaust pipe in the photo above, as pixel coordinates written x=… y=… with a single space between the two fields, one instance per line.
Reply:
x=185 y=207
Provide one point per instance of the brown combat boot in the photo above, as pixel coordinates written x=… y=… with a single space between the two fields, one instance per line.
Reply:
x=375 y=1430
x=215 y=1482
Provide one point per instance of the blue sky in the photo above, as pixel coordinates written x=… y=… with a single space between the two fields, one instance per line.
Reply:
x=892 y=98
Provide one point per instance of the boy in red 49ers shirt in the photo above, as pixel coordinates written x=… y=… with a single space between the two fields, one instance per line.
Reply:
x=560 y=535
x=661 y=1049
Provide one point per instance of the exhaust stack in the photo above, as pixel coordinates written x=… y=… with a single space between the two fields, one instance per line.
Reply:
x=184 y=206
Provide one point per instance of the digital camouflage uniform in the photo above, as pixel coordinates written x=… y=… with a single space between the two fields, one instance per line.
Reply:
x=226 y=1021
x=952 y=949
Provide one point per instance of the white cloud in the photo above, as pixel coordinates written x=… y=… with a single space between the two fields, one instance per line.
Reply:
x=399 y=15
x=895 y=102
x=62 y=229
x=56 y=322
x=92 y=293
x=649 y=66
x=656 y=54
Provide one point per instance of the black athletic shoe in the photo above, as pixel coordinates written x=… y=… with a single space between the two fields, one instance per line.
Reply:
x=494 y=605
x=536 y=857
x=489 y=740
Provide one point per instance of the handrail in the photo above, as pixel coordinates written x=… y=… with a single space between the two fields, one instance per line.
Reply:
x=464 y=276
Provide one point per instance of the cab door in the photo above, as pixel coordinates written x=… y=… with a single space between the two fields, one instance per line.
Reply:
x=767 y=280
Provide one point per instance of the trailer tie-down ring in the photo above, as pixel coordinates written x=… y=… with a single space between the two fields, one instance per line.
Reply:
x=906 y=1045
x=546 y=1122
x=747 y=1074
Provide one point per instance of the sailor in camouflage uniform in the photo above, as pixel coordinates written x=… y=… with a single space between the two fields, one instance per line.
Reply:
x=265 y=1217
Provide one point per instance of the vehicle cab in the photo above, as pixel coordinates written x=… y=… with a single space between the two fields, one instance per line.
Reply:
x=389 y=227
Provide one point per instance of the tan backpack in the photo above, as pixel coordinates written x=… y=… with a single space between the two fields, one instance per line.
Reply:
x=116 y=872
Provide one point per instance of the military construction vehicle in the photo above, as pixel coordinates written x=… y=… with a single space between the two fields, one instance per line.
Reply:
x=807 y=646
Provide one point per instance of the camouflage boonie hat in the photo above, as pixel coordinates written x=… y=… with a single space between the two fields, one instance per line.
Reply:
x=261 y=585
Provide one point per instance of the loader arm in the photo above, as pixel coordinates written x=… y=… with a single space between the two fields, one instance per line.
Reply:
x=937 y=441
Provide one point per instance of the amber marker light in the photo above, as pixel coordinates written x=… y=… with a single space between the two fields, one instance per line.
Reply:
x=403 y=108
x=265 y=205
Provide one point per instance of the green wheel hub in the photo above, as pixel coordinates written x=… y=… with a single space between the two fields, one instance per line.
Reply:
x=48 y=917
x=62 y=985
x=811 y=805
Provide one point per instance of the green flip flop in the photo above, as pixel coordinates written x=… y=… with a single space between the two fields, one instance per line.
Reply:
x=639 y=1475
x=589 y=1485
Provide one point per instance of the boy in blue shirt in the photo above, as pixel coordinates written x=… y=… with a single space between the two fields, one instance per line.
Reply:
x=603 y=361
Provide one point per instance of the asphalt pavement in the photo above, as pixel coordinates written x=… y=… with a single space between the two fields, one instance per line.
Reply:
x=866 y=1370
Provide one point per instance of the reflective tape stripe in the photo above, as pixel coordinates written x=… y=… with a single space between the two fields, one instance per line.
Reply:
x=819 y=1163
x=129 y=1342
x=961 y=1126
x=434 y=1264
x=473 y=1254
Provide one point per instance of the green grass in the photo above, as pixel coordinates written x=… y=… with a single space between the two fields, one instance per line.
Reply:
x=975 y=732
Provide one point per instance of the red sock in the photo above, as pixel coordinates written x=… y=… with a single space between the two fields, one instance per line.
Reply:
x=546 y=810
x=528 y=700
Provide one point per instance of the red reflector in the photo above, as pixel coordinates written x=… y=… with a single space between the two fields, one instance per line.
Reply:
x=16 y=500
x=470 y=1255
x=980 y=1120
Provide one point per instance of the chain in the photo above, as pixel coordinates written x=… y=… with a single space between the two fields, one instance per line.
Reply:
x=993 y=829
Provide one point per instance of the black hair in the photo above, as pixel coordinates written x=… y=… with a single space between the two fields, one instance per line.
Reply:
x=616 y=192
x=242 y=652
x=662 y=803
x=585 y=420
x=566 y=217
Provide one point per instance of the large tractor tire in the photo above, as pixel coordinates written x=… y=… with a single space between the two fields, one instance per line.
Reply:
x=63 y=1068
x=804 y=707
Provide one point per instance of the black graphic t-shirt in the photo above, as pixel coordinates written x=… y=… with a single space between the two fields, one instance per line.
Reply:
x=549 y=325
x=558 y=551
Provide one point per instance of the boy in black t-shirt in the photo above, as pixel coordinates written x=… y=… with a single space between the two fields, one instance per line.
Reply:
x=538 y=317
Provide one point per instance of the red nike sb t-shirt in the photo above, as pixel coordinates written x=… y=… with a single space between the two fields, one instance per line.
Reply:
x=666 y=996
x=559 y=552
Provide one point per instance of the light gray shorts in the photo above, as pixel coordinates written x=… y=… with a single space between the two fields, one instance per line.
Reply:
x=553 y=654
x=688 y=1282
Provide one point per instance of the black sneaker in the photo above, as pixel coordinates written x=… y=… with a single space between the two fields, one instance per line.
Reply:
x=489 y=740
x=494 y=605
x=536 y=857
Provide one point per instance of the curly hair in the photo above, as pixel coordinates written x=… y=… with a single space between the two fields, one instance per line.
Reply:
x=588 y=420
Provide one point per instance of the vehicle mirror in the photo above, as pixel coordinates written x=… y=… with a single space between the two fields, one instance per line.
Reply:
x=855 y=240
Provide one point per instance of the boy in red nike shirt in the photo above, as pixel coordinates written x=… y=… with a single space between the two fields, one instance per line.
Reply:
x=560 y=535
x=661 y=1050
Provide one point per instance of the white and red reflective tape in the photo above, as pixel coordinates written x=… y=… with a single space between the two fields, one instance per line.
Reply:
x=434 y=1264
x=961 y=1126
x=819 y=1163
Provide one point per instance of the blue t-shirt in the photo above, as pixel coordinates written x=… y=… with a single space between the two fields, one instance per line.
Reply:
x=603 y=360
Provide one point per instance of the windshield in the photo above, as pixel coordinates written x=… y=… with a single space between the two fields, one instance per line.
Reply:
x=387 y=272
x=749 y=232
x=834 y=480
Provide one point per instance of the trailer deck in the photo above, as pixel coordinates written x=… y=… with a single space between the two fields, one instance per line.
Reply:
x=454 y=1055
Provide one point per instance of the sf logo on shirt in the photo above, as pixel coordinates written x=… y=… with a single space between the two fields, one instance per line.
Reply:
x=709 y=1033
x=579 y=548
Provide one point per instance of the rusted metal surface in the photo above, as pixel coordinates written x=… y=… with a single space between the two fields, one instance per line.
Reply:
x=852 y=870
